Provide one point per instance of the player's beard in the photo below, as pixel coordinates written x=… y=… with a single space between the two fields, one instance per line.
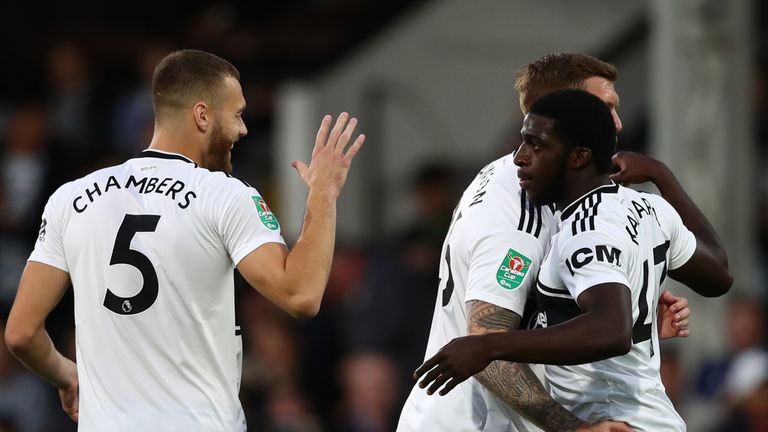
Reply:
x=550 y=189
x=219 y=150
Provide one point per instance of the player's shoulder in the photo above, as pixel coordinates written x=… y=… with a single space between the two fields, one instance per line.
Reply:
x=88 y=180
x=221 y=179
x=494 y=202
x=656 y=201
x=665 y=214
x=600 y=212
x=219 y=183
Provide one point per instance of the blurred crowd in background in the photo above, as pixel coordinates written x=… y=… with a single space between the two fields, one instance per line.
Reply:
x=72 y=103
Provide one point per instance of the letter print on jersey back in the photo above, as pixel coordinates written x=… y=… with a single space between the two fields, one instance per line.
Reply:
x=265 y=214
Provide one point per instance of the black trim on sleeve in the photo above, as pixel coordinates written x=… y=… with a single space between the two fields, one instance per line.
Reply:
x=549 y=290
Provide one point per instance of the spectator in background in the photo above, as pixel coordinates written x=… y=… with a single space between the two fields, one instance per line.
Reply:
x=24 y=402
x=386 y=315
x=25 y=169
x=25 y=174
x=7 y=425
x=288 y=411
x=670 y=369
x=77 y=109
x=322 y=338
x=746 y=393
x=133 y=119
x=371 y=393
x=744 y=329
x=270 y=389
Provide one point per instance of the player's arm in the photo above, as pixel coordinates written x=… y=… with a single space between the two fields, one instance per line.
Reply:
x=40 y=290
x=515 y=383
x=603 y=330
x=706 y=272
x=295 y=280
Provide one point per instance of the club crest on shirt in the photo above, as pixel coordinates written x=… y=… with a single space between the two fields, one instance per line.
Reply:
x=513 y=269
x=265 y=214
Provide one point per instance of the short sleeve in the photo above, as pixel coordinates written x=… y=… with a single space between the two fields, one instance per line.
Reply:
x=592 y=258
x=682 y=242
x=247 y=223
x=49 y=246
x=502 y=268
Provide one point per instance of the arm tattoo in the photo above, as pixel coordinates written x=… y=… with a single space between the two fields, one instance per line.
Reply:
x=515 y=383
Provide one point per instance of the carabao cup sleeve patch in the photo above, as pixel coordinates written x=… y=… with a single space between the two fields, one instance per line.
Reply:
x=513 y=269
x=265 y=214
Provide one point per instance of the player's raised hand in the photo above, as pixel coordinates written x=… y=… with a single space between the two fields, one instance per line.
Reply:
x=460 y=359
x=674 y=316
x=606 y=426
x=634 y=168
x=332 y=155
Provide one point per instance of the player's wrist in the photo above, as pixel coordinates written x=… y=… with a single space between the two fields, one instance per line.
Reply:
x=324 y=193
x=494 y=345
x=66 y=374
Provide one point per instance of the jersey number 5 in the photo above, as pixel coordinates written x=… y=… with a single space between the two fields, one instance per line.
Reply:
x=123 y=254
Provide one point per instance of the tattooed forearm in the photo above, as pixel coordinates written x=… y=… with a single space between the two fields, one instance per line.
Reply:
x=517 y=386
x=515 y=383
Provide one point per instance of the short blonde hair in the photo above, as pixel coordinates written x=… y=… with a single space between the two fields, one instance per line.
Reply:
x=558 y=71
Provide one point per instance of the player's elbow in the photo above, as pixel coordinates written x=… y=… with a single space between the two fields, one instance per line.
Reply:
x=715 y=285
x=303 y=307
x=623 y=346
x=617 y=339
x=618 y=343
x=18 y=338
x=726 y=283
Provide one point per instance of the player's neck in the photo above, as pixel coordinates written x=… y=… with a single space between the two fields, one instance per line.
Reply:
x=175 y=140
x=578 y=186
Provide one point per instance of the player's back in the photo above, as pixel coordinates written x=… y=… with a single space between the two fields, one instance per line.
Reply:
x=491 y=252
x=615 y=235
x=149 y=246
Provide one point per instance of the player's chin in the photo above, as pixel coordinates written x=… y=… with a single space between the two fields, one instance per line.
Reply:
x=532 y=193
x=538 y=197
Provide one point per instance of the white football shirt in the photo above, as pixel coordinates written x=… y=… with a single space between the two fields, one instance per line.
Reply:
x=615 y=234
x=491 y=253
x=150 y=247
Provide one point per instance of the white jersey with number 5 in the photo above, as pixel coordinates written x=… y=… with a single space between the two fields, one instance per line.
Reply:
x=615 y=235
x=150 y=247
x=491 y=253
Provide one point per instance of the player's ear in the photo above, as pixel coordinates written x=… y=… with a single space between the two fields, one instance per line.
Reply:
x=202 y=115
x=580 y=157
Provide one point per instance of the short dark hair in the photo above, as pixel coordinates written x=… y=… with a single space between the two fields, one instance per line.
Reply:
x=582 y=120
x=188 y=74
x=558 y=71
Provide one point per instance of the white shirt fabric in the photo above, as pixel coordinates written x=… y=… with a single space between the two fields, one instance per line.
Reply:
x=615 y=235
x=150 y=246
x=492 y=225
